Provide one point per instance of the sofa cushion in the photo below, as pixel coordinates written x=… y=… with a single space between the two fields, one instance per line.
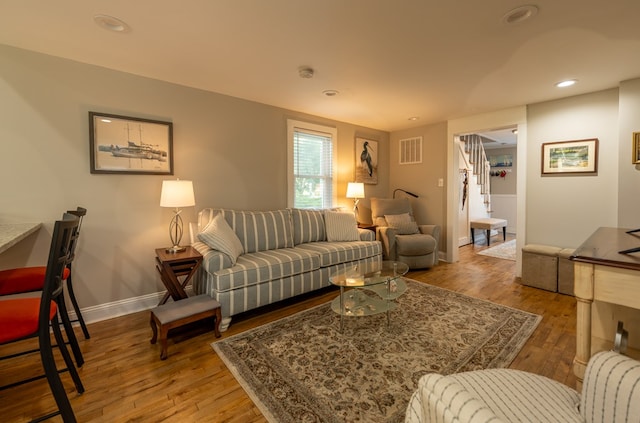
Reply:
x=261 y=230
x=341 y=226
x=219 y=236
x=265 y=266
x=308 y=226
x=403 y=222
x=331 y=253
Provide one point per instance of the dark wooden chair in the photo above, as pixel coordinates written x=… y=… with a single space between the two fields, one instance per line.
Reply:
x=33 y=317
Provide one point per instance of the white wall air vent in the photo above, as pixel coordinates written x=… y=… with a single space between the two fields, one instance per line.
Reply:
x=411 y=150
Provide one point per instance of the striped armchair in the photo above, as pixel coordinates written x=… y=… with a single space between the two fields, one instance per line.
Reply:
x=610 y=393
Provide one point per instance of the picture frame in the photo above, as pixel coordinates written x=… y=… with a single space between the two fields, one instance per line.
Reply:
x=578 y=157
x=130 y=145
x=635 y=156
x=366 y=162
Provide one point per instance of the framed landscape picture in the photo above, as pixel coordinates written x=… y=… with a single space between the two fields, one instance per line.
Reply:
x=635 y=159
x=129 y=145
x=570 y=157
x=366 y=161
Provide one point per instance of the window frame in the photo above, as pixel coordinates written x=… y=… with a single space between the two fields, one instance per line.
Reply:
x=294 y=125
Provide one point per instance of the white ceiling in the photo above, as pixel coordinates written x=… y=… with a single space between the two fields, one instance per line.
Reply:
x=390 y=60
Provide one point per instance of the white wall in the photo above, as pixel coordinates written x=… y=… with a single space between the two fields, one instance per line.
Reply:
x=234 y=151
x=564 y=210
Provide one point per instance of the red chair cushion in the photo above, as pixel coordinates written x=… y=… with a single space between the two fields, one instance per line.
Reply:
x=24 y=279
x=19 y=318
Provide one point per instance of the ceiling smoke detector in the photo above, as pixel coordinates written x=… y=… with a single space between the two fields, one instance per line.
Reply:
x=520 y=14
x=305 y=72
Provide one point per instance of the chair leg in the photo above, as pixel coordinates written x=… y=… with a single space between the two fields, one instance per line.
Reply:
x=51 y=372
x=67 y=359
x=71 y=335
x=76 y=308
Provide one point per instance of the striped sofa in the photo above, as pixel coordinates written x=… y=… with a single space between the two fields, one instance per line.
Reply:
x=610 y=393
x=286 y=253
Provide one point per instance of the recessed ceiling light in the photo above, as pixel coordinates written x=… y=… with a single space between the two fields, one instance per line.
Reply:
x=111 y=24
x=105 y=120
x=567 y=83
x=520 y=14
x=331 y=93
x=413 y=118
x=305 y=72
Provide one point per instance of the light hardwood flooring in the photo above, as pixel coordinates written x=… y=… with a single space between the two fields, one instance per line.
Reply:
x=126 y=381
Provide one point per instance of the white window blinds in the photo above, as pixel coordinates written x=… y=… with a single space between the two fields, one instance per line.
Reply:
x=312 y=166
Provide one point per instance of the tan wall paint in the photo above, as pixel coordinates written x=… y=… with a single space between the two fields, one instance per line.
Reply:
x=234 y=151
x=422 y=179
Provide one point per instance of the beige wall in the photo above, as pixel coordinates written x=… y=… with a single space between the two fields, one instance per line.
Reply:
x=564 y=210
x=233 y=150
x=422 y=179
x=628 y=173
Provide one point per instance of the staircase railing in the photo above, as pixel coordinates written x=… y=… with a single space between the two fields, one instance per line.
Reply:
x=480 y=165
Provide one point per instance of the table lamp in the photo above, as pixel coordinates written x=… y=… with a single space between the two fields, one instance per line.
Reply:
x=355 y=190
x=176 y=194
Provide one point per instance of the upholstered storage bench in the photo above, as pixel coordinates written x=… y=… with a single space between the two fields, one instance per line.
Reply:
x=268 y=256
x=565 y=271
x=540 y=266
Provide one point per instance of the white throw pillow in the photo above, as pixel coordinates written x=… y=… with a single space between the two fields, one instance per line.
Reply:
x=219 y=236
x=404 y=223
x=341 y=226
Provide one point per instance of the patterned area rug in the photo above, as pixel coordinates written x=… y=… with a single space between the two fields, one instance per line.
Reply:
x=506 y=250
x=302 y=369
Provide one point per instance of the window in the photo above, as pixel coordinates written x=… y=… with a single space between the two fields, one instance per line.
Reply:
x=311 y=165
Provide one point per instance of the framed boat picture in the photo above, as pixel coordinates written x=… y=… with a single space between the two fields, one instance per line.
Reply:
x=130 y=145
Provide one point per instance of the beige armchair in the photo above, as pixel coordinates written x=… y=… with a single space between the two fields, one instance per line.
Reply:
x=610 y=394
x=402 y=238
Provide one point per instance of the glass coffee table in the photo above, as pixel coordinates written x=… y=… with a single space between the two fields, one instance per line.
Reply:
x=382 y=278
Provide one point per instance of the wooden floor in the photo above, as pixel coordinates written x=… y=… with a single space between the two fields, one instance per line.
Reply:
x=125 y=380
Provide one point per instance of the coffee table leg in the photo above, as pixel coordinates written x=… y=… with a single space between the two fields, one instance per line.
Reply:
x=388 y=306
x=341 y=307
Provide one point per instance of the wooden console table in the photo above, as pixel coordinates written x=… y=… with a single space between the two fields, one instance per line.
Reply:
x=602 y=274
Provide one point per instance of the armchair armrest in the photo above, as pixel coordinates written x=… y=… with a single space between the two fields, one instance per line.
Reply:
x=387 y=235
x=610 y=389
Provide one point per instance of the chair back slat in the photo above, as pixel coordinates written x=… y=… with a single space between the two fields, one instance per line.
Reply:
x=60 y=256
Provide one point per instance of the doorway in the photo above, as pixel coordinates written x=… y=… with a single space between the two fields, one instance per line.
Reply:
x=487 y=178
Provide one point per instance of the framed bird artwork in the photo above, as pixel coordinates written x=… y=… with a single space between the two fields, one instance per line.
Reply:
x=366 y=161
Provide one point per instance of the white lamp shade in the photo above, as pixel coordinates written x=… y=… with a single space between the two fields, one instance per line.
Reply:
x=177 y=194
x=355 y=190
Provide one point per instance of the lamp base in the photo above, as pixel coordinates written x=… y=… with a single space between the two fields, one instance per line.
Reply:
x=175 y=249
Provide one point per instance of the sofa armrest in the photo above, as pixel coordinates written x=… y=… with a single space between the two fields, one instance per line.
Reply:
x=611 y=388
x=366 y=235
x=213 y=260
x=434 y=231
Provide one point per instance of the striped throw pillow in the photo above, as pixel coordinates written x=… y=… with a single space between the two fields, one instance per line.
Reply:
x=219 y=236
x=341 y=226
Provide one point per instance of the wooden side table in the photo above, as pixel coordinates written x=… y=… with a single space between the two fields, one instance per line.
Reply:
x=173 y=265
x=369 y=226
